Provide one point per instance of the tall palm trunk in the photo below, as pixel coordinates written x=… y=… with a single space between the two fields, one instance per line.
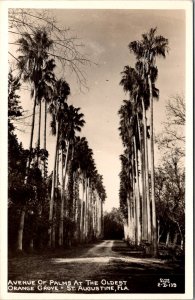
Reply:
x=53 y=191
x=21 y=229
x=138 y=218
x=82 y=213
x=146 y=174
x=144 y=197
x=129 y=222
x=95 y=215
x=39 y=134
x=66 y=164
x=89 y=213
x=102 y=220
x=86 y=207
x=133 y=205
x=76 y=206
x=55 y=203
x=65 y=172
x=141 y=159
x=158 y=226
x=167 y=238
x=61 y=225
x=23 y=209
x=154 y=229
x=31 y=140
x=44 y=142
x=134 y=213
x=85 y=210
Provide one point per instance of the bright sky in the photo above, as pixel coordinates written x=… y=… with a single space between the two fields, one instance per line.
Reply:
x=106 y=35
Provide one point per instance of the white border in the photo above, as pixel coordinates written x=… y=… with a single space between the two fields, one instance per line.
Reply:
x=188 y=7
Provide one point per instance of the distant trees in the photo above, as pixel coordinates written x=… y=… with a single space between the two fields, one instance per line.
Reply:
x=113 y=224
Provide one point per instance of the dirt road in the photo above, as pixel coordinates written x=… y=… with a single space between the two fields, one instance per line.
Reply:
x=111 y=265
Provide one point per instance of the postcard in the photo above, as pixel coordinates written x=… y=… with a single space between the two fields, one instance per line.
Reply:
x=96 y=164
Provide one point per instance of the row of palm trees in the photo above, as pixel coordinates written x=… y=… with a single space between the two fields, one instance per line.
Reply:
x=137 y=162
x=76 y=191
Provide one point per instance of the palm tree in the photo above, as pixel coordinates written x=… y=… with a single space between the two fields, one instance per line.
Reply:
x=146 y=51
x=84 y=156
x=135 y=85
x=126 y=189
x=102 y=197
x=91 y=209
x=33 y=49
x=31 y=62
x=86 y=165
x=58 y=109
x=128 y=132
x=45 y=93
x=73 y=122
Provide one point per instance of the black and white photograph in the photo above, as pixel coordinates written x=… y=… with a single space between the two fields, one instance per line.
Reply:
x=96 y=180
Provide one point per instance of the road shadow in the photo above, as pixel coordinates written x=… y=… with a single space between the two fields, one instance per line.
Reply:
x=120 y=262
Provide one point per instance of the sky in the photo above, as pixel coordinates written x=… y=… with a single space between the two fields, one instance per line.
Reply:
x=106 y=35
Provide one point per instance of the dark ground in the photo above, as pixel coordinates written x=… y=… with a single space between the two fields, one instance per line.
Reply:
x=103 y=263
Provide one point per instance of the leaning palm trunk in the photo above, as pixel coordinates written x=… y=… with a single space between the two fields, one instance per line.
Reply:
x=154 y=229
x=53 y=192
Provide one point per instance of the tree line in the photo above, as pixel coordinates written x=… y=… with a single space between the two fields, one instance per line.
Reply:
x=65 y=206
x=151 y=199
